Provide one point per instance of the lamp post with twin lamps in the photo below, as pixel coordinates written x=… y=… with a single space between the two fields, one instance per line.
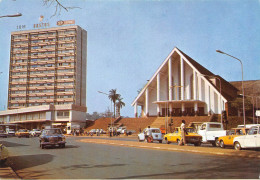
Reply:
x=243 y=92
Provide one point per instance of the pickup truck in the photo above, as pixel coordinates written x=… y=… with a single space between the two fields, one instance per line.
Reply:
x=211 y=131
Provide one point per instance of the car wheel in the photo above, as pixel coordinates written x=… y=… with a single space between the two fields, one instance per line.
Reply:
x=213 y=144
x=217 y=142
x=42 y=146
x=167 y=142
x=63 y=146
x=197 y=144
x=178 y=141
x=160 y=141
x=237 y=146
x=221 y=144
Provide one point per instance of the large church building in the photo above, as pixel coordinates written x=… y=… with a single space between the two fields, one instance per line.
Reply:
x=183 y=87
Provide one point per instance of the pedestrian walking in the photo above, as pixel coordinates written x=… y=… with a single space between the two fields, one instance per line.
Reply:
x=183 y=132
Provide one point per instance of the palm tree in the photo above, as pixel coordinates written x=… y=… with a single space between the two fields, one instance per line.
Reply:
x=119 y=104
x=113 y=96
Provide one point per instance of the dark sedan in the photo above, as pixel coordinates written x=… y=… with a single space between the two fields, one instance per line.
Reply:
x=52 y=137
x=3 y=134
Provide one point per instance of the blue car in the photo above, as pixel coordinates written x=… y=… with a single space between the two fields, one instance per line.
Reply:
x=52 y=137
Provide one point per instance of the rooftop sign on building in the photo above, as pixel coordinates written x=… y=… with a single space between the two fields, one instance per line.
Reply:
x=61 y=23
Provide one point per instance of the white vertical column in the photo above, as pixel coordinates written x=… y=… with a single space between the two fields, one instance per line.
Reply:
x=136 y=110
x=194 y=85
x=158 y=93
x=199 y=87
x=170 y=78
x=170 y=83
x=182 y=79
x=147 y=102
x=182 y=108
x=196 y=108
x=207 y=89
x=219 y=104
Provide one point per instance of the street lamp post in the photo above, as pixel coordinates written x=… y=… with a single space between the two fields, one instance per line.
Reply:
x=110 y=107
x=219 y=91
x=12 y=15
x=243 y=92
x=252 y=97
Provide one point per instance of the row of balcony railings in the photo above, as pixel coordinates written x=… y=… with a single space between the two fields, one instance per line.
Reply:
x=42 y=94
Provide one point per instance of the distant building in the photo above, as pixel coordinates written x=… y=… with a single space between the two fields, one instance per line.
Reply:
x=47 y=78
x=183 y=87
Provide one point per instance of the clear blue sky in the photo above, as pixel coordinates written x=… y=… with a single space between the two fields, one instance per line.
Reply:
x=128 y=40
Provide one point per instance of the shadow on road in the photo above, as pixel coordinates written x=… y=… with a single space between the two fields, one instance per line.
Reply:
x=56 y=147
x=11 y=144
x=211 y=170
x=27 y=161
x=91 y=166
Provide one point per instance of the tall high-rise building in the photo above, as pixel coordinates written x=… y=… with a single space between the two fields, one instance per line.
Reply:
x=48 y=66
x=47 y=74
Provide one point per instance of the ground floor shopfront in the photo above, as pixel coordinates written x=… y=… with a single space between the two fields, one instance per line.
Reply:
x=66 y=117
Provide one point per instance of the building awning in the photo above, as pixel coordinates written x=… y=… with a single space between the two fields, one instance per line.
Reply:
x=30 y=121
x=179 y=102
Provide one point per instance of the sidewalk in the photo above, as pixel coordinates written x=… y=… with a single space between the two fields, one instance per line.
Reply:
x=167 y=147
x=7 y=173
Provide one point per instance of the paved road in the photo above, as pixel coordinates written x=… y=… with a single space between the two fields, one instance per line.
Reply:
x=88 y=160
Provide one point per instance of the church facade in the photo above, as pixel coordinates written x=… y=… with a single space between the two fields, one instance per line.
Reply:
x=183 y=87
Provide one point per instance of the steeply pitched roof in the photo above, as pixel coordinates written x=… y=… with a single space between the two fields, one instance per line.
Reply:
x=199 y=67
x=195 y=64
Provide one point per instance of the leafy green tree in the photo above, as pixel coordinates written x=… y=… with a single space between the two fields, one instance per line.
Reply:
x=238 y=104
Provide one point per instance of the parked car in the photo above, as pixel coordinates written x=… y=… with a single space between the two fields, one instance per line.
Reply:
x=11 y=132
x=92 y=131
x=3 y=154
x=22 y=133
x=251 y=140
x=155 y=133
x=247 y=125
x=35 y=132
x=120 y=130
x=211 y=131
x=3 y=134
x=191 y=136
x=52 y=137
x=228 y=139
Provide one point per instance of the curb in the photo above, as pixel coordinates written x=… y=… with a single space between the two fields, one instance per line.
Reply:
x=8 y=173
x=188 y=149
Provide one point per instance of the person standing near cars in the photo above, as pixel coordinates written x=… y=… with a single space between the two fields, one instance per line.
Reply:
x=148 y=134
x=183 y=140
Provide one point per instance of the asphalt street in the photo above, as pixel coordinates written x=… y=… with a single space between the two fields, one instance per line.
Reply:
x=80 y=160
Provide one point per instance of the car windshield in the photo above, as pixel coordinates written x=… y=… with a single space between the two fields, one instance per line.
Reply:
x=22 y=130
x=155 y=131
x=190 y=130
x=51 y=132
x=252 y=131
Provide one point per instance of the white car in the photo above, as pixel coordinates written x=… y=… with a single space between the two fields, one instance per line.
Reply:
x=11 y=132
x=155 y=132
x=251 y=140
x=35 y=132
